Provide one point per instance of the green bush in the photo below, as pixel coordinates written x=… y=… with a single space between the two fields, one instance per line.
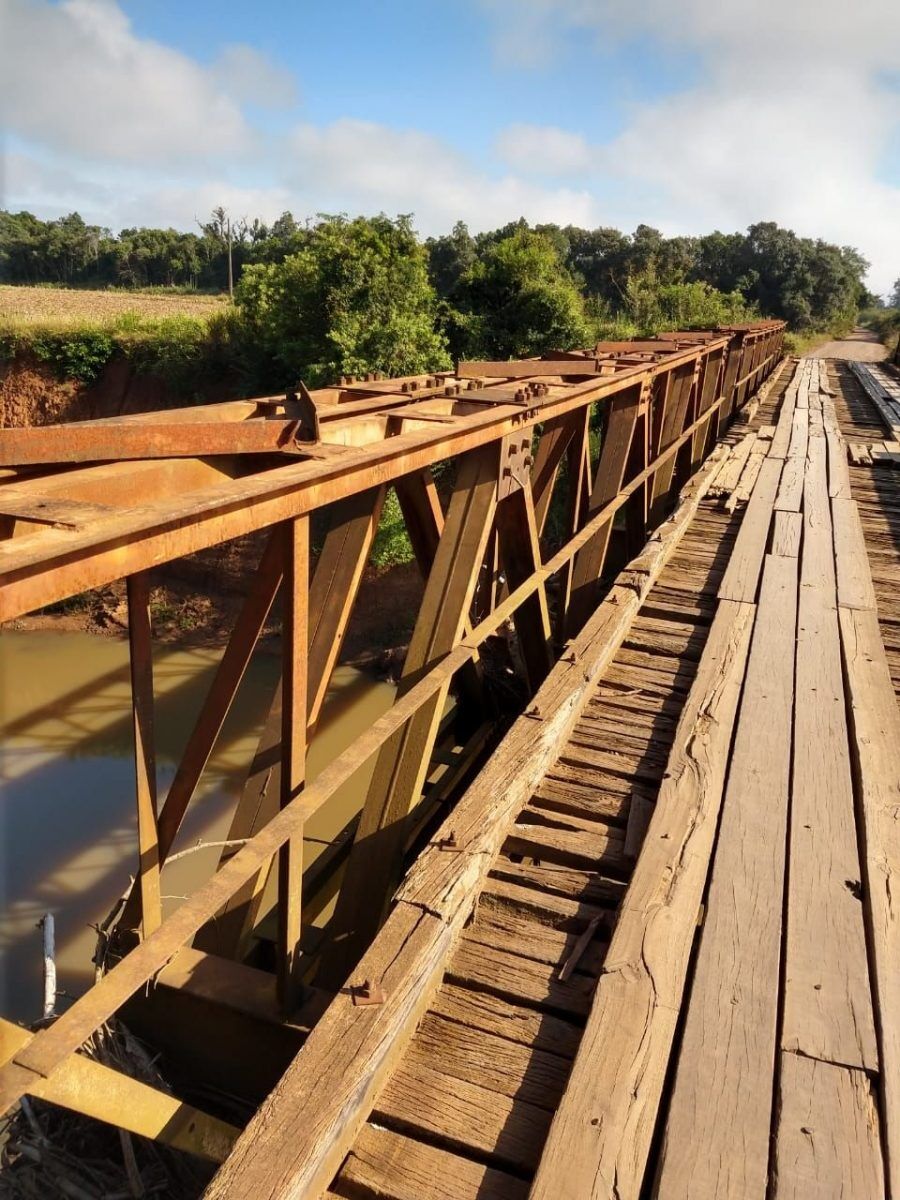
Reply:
x=354 y=297
x=78 y=353
x=652 y=306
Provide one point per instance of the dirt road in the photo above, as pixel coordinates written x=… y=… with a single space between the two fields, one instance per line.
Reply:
x=861 y=345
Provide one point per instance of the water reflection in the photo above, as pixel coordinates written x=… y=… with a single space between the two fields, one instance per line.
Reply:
x=67 y=827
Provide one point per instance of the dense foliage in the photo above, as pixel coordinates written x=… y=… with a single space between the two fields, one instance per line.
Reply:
x=353 y=297
x=810 y=283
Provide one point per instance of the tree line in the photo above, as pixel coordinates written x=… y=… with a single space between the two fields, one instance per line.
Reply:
x=339 y=295
x=808 y=282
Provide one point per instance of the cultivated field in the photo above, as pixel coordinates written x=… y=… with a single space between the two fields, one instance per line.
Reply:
x=63 y=306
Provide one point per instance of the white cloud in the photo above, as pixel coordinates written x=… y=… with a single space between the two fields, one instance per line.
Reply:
x=362 y=165
x=75 y=77
x=544 y=150
x=251 y=78
x=790 y=120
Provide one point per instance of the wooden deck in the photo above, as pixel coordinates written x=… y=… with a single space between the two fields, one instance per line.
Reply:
x=677 y=972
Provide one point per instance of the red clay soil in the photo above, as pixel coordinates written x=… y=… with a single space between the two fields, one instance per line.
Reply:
x=31 y=394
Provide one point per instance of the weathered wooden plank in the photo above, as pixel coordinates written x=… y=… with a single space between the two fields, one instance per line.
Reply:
x=790 y=489
x=491 y=1061
x=529 y=1027
x=782 y=437
x=601 y=1135
x=459 y=1113
x=749 y=475
x=550 y=941
x=741 y=576
x=591 y=887
x=498 y=928
x=520 y=980
x=732 y=1011
x=854 y=578
x=875 y=750
x=580 y=848
x=827 y=1005
x=787 y=530
x=731 y=472
x=393 y=1167
x=827 y=1145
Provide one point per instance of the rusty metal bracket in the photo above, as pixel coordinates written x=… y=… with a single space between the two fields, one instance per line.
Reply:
x=515 y=463
x=308 y=414
x=367 y=993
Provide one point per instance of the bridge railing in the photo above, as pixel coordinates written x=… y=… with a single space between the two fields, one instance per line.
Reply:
x=559 y=469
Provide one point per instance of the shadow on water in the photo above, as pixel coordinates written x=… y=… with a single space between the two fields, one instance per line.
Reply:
x=67 y=826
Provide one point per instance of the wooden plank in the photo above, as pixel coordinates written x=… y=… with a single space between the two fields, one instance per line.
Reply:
x=520 y=980
x=141 y=660
x=590 y=886
x=787 y=530
x=732 y=1011
x=783 y=429
x=790 y=490
x=549 y=940
x=854 y=579
x=459 y=1113
x=94 y=1090
x=528 y=1027
x=875 y=750
x=393 y=1167
x=745 y=485
x=493 y=1062
x=731 y=472
x=601 y=1135
x=741 y=576
x=827 y=1145
x=827 y=1005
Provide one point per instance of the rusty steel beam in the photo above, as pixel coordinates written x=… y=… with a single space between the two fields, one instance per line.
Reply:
x=77 y=443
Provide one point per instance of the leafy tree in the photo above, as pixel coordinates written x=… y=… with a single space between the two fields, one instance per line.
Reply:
x=449 y=259
x=519 y=299
x=355 y=297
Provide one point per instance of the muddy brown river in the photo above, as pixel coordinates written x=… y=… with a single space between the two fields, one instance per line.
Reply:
x=67 y=824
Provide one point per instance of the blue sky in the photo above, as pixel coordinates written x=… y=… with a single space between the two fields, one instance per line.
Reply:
x=672 y=112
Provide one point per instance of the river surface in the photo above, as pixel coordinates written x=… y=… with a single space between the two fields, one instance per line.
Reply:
x=67 y=823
